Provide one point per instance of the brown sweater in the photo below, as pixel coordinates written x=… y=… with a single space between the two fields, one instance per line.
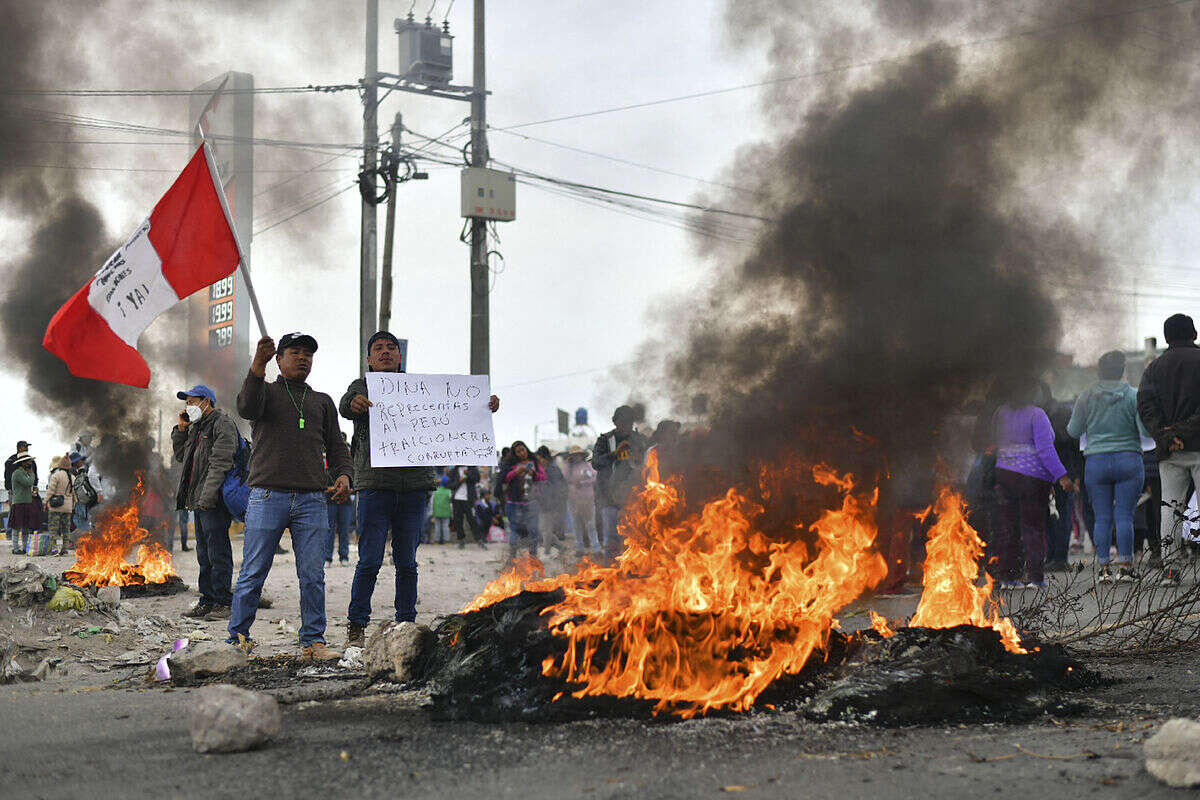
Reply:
x=284 y=455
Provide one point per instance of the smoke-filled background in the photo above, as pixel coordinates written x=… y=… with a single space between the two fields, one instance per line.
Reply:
x=951 y=189
x=938 y=219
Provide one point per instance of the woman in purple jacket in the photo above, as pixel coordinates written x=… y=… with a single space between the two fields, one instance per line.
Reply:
x=1026 y=465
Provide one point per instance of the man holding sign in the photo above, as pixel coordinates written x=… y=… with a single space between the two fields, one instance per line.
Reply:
x=401 y=427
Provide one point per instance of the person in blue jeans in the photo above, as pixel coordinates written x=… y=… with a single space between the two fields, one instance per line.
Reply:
x=339 y=529
x=295 y=432
x=1107 y=414
x=389 y=498
x=519 y=472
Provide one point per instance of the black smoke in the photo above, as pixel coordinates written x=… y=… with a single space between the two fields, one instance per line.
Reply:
x=933 y=215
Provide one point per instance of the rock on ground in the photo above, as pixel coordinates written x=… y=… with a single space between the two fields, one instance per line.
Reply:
x=226 y=719
x=394 y=650
x=203 y=660
x=1173 y=754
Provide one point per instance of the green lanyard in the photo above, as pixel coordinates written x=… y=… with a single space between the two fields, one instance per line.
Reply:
x=299 y=406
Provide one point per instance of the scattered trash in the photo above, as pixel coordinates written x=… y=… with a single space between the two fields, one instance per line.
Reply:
x=84 y=633
x=66 y=598
x=226 y=719
x=162 y=670
x=352 y=658
x=25 y=584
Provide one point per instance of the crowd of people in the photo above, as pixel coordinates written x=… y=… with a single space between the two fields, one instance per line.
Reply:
x=1118 y=466
x=1116 y=470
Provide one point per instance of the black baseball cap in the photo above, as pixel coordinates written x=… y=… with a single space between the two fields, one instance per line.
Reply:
x=22 y=443
x=296 y=340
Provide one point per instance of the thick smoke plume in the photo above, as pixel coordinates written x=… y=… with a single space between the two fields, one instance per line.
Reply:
x=929 y=211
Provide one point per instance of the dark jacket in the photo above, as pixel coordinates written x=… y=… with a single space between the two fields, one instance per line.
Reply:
x=615 y=478
x=9 y=466
x=287 y=454
x=1168 y=398
x=552 y=495
x=396 y=479
x=469 y=476
x=205 y=451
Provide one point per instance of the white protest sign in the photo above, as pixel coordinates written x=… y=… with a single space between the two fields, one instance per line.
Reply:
x=430 y=420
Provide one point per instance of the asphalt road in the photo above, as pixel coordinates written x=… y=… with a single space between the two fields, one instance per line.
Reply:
x=134 y=743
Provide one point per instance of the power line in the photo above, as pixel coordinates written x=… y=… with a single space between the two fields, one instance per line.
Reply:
x=932 y=47
x=305 y=210
x=308 y=89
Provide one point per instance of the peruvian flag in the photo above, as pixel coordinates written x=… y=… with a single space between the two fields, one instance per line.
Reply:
x=185 y=245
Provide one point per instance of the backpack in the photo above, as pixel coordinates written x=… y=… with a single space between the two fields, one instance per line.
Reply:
x=84 y=491
x=234 y=491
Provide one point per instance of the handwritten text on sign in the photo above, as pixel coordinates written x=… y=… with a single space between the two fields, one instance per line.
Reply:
x=430 y=420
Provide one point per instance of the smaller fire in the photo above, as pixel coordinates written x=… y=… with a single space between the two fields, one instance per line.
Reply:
x=101 y=556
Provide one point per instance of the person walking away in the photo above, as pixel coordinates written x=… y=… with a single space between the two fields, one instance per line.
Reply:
x=441 y=511
x=204 y=442
x=291 y=425
x=552 y=502
x=60 y=502
x=24 y=513
x=581 y=497
x=617 y=458
x=1168 y=401
x=521 y=471
x=488 y=513
x=1026 y=465
x=1106 y=412
x=86 y=496
x=464 y=488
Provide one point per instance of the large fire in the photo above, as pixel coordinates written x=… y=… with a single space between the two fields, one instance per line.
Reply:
x=706 y=612
x=101 y=556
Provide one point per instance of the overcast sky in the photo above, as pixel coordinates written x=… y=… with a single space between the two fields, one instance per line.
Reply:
x=580 y=285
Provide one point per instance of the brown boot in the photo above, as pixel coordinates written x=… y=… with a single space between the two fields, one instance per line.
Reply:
x=317 y=651
x=355 y=634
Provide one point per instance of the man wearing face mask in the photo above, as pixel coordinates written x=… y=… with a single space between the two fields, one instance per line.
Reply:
x=205 y=441
x=295 y=432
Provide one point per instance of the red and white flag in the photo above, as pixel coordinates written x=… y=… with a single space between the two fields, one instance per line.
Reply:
x=185 y=245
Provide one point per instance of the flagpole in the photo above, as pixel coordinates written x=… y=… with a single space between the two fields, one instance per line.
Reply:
x=216 y=176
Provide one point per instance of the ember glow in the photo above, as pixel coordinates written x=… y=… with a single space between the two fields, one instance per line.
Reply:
x=705 y=612
x=952 y=594
x=101 y=556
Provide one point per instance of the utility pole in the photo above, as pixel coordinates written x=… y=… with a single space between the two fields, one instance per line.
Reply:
x=368 y=263
x=389 y=232
x=480 y=342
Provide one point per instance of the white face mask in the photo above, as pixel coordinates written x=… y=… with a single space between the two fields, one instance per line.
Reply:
x=193 y=413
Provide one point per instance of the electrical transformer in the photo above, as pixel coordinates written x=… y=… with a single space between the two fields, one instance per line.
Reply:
x=426 y=53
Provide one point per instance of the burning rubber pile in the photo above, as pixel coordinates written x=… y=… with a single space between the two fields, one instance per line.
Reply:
x=102 y=557
x=705 y=613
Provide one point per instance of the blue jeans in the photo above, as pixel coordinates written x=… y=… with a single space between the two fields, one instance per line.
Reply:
x=339 y=527
x=267 y=514
x=522 y=524
x=81 y=518
x=214 y=553
x=1114 y=481
x=404 y=514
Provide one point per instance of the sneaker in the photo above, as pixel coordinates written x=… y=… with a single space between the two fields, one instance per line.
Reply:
x=1011 y=585
x=355 y=634
x=218 y=612
x=1042 y=584
x=1126 y=575
x=1170 y=578
x=1104 y=575
x=317 y=651
x=461 y=545
x=201 y=609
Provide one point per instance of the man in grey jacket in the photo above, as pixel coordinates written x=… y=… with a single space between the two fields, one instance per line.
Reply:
x=205 y=441
x=388 y=498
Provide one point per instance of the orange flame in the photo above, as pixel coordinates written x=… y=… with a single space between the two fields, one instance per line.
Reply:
x=951 y=594
x=100 y=556
x=880 y=624
x=510 y=583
